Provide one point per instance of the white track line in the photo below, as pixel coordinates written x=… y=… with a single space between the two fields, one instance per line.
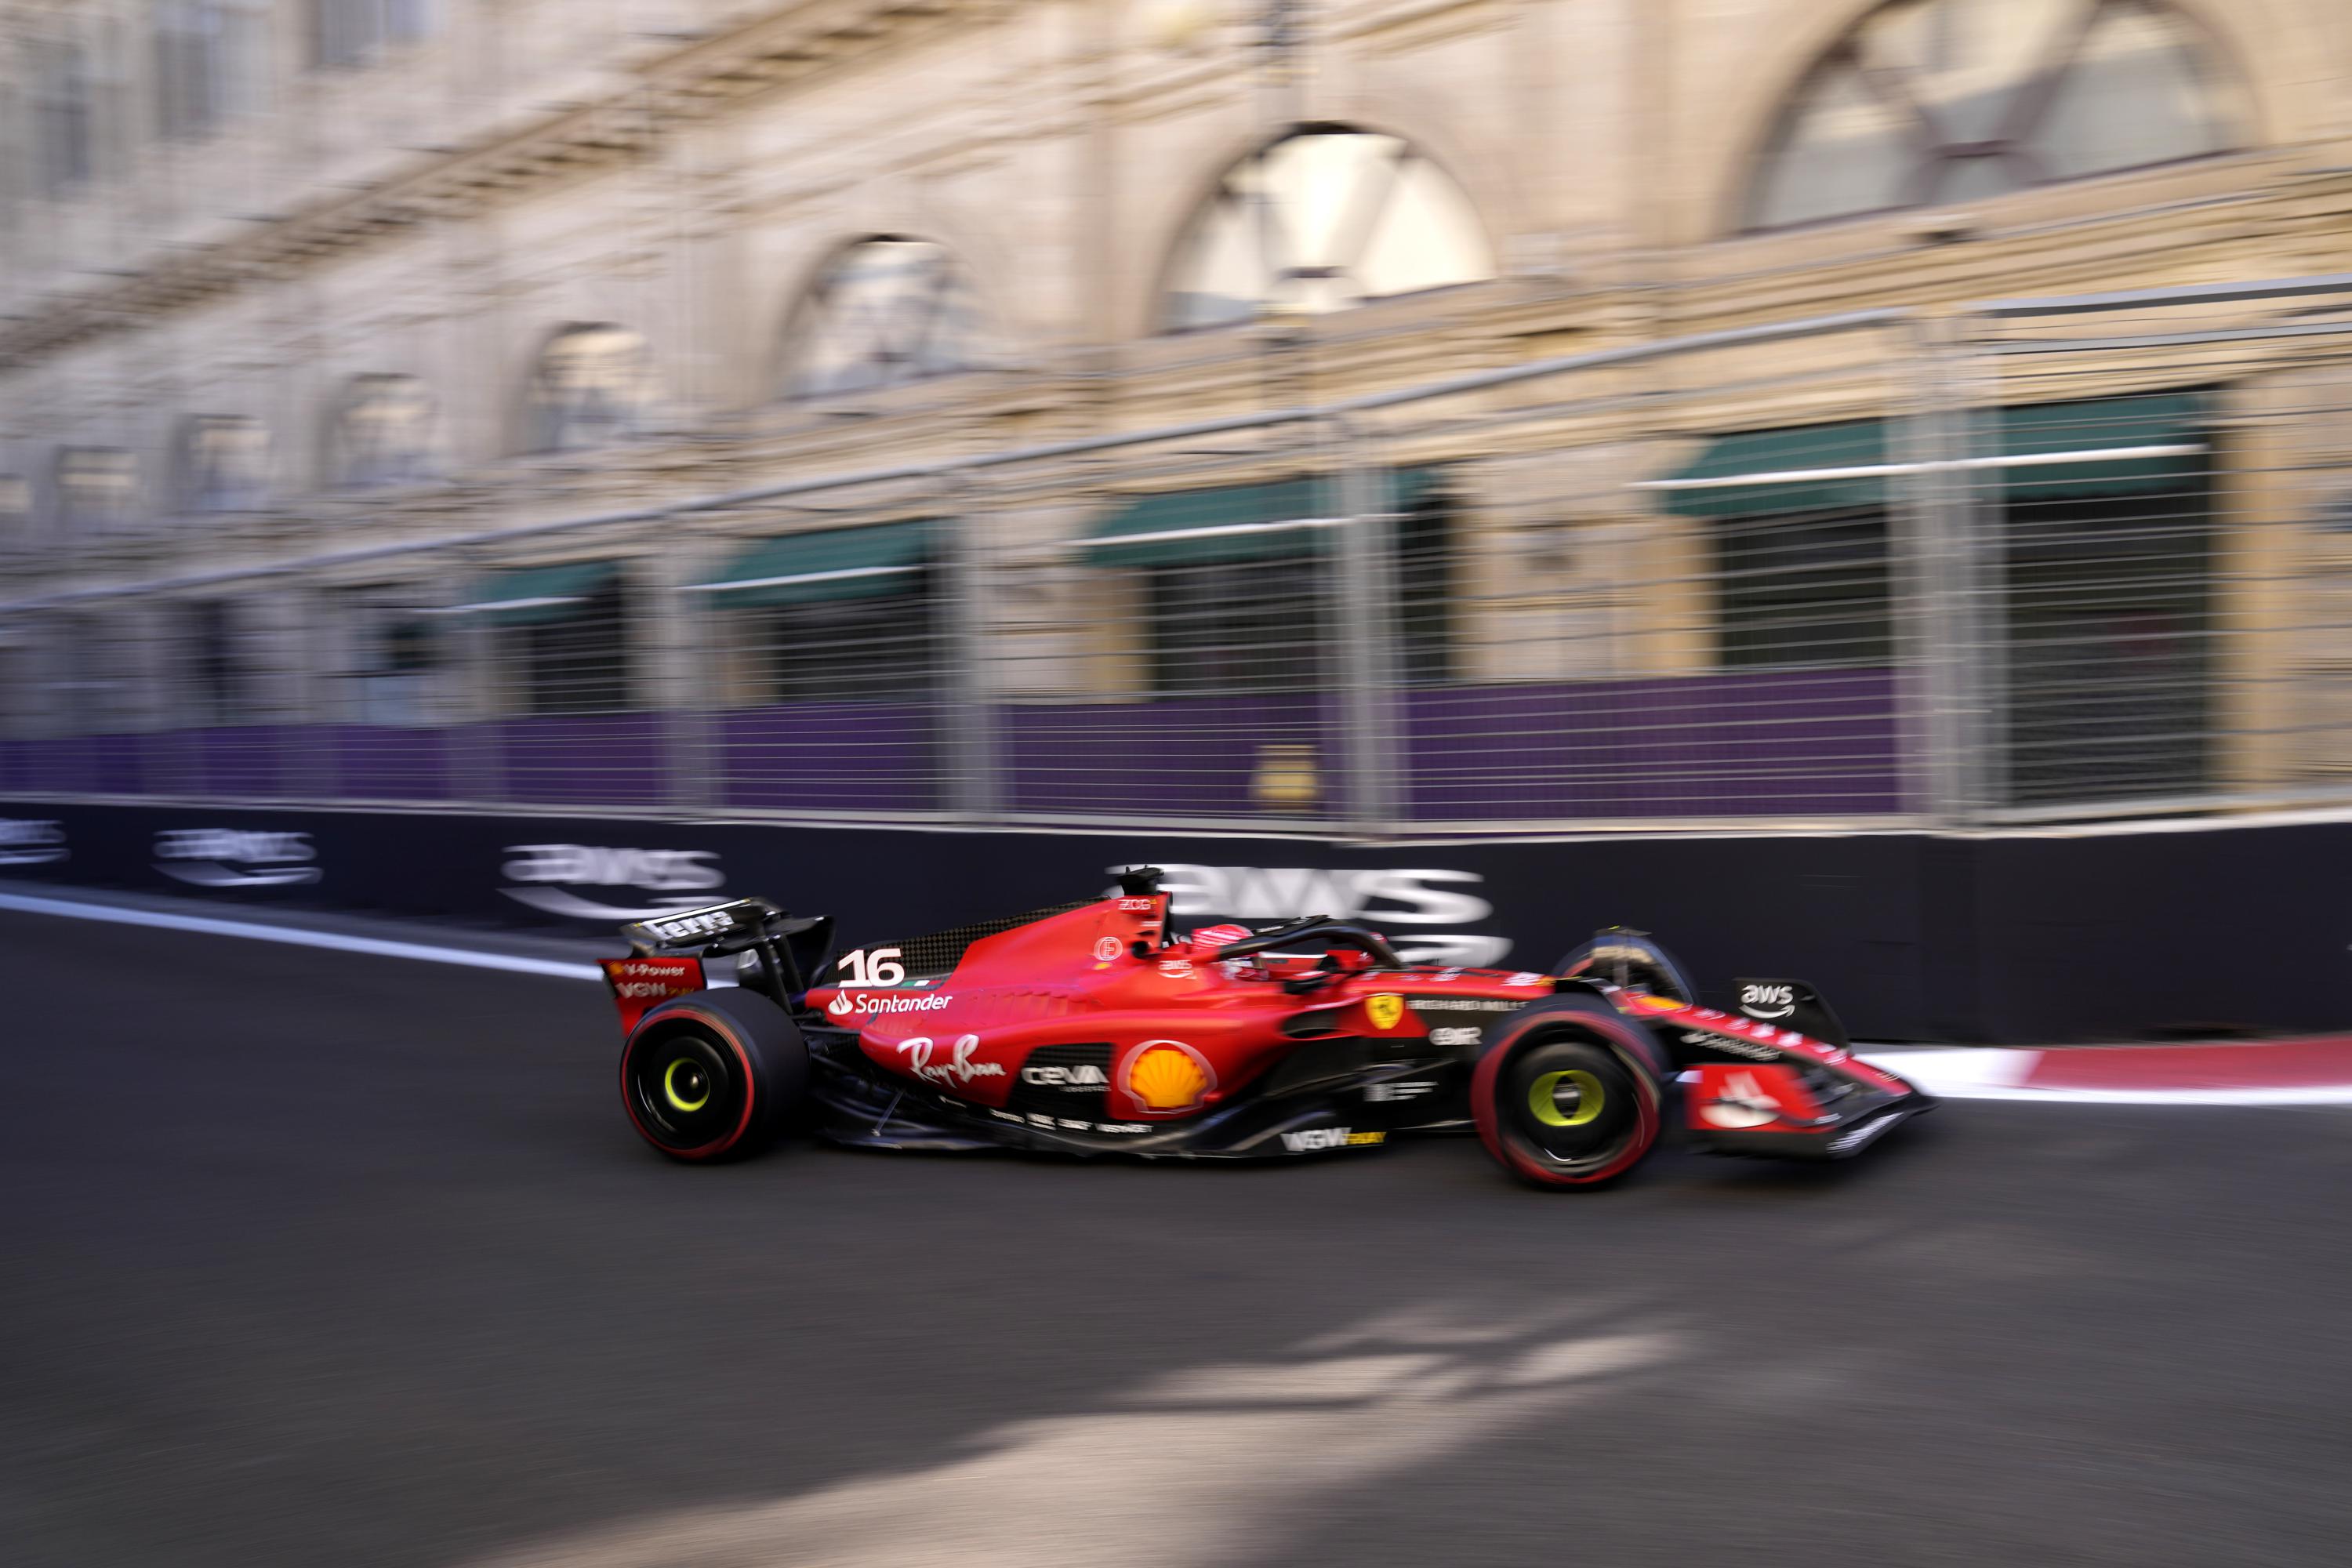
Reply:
x=1958 y=1072
x=1985 y=1072
x=2317 y=1094
x=296 y=937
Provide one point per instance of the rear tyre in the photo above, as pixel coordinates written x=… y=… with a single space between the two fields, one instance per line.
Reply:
x=712 y=1076
x=1569 y=1094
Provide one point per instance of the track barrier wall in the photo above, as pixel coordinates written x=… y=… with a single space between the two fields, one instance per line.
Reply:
x=2023 y=938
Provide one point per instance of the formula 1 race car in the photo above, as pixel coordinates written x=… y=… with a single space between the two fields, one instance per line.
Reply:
x=1093 y=1029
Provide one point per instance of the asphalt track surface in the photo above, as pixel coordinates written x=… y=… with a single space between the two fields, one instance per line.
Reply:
x=312 y=1258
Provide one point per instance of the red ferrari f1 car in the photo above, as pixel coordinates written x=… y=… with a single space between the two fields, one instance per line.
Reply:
x=1095 y=1028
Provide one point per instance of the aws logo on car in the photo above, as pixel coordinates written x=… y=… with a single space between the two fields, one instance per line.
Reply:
x=236 y=857
x=546 y=872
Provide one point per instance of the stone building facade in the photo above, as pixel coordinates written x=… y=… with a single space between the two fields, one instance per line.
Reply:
x=287 y=284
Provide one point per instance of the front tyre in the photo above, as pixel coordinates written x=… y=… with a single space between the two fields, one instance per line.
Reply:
x=1569 y=1094
x=711 y=1076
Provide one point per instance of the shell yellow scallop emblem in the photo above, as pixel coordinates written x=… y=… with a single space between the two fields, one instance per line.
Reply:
x=1164 y=1076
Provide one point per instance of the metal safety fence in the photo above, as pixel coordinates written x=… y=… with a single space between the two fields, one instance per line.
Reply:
x=2069 y=558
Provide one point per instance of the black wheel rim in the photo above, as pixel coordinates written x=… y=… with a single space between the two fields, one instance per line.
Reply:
x=1574 y=1108
x=683 y=1088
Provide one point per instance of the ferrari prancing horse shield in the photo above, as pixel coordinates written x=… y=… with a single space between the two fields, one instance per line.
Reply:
x=1384 y=1010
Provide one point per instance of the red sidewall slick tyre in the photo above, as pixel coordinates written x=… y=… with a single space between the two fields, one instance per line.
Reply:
x=1578 y=1047
x=711 y=1076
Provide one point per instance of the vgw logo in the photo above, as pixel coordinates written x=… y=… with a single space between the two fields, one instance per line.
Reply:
x=235 y=858
x=1384 y=899
x=686 y=876
x=31 y=841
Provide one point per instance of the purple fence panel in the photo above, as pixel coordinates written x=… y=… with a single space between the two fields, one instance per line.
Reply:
x=585 y=759
x=63 y=763
x=840 y=756
x=1748 y=743
x=1179 y=756
x=244 y=762
x=29 y=767
x=119 y=764
x=389 y=761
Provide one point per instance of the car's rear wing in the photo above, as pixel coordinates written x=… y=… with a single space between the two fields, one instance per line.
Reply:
x=793 y=949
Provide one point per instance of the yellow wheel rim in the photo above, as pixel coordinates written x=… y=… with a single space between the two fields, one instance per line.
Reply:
x=677 y=1098
x=1543 y=1097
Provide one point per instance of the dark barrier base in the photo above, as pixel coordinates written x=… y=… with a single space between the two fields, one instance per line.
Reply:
x=1912 y=937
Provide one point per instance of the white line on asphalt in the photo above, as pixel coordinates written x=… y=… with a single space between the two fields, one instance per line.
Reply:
x=511 y=964
x=1991 y=1072
x=1957 y=1073
x=2314 y=1094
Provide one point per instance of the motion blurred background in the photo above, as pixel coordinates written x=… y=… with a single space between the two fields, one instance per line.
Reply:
x=1864 y=490
x=1356 y=415
x=1359 y=416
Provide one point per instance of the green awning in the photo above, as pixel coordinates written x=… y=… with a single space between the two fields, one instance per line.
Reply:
x=1823 y=467
x=1236 y=523
x=533 y=595
x=866 y=563
x=1410 y=487
x=2108 y=425
x=1709 y=487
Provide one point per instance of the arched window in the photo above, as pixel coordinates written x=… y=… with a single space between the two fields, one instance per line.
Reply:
x=1935 y=101
x=885 y=311
x=383 y=432
x=593 y=384
x=222 y=463
x=1324 y=218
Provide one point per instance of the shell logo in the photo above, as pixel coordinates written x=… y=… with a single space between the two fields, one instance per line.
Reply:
x=1384 y=1010
x=1167 y=1076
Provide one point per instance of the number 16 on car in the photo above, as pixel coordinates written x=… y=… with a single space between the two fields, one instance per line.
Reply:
x=872 y=966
